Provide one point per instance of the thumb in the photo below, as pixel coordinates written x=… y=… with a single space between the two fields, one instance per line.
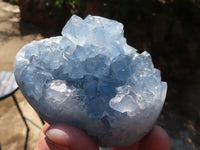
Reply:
x=65 y=137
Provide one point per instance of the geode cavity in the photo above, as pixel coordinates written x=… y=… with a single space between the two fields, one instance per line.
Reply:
x=92 y=79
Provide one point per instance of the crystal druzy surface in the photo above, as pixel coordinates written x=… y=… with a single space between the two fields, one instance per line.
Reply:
x=92 y=79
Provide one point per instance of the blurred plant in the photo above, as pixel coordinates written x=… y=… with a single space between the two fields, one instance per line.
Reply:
x=14 y=1
x=131 y=11
x=64 y=6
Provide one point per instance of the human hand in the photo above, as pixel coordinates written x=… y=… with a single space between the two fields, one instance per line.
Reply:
x=65 y=137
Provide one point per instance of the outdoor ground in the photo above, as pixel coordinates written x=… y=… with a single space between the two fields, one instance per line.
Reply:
x=13 y=35
x=180 y=118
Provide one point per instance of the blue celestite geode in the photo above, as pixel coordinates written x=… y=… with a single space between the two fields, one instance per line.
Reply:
x=92 y=79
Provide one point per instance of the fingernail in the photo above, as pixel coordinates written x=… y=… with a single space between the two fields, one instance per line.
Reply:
x=57 y=136
x=54 y=146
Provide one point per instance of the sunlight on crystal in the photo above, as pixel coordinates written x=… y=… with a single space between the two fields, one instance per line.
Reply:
x=92 y=79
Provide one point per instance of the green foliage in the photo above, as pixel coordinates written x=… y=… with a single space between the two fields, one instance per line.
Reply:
x=66 y=6
x=14 y=1
x=131 y=11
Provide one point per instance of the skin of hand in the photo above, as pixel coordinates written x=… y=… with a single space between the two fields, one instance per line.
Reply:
x=65 y=137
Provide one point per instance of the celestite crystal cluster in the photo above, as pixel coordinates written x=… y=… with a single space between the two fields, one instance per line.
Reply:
x=92 y=79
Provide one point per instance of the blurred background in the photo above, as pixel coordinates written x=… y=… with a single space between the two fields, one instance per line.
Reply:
x=168 y=29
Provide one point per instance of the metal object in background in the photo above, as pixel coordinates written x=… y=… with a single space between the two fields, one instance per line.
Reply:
x=8 y=87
